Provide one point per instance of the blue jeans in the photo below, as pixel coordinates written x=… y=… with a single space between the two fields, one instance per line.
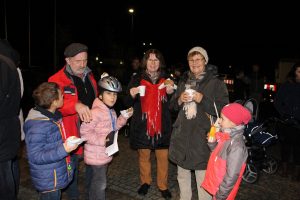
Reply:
x=54 y=195
x=72 y=189
x=9 y=179
x=98 y=182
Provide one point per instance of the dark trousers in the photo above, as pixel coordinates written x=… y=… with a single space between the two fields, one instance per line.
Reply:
x=290 y=137
x=9 y=179
x=72 y=189
x=54 y=195
x=88 y=178
x=98 y=182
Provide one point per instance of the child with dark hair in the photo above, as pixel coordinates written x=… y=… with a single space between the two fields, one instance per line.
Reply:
x=227 y=162
x=48 y=155
x=105 y=122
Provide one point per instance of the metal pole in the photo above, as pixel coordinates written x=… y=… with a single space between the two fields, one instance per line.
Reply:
x=132 y=23
x=5 y=20
x=54 y=46
x=131 y=12
x=29 y=34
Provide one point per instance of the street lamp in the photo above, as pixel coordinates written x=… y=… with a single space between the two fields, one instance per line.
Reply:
x=131 y=12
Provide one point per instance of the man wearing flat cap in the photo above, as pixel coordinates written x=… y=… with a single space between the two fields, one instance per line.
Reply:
x=79 y=89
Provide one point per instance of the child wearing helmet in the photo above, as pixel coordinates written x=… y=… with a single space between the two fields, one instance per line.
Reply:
x=105 y=121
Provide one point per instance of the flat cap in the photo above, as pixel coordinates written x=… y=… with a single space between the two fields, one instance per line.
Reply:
x=74 y=49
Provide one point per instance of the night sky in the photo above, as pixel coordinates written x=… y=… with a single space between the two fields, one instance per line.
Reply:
x=237 y=34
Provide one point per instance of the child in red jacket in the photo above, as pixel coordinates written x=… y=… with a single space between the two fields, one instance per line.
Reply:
x=227 y=162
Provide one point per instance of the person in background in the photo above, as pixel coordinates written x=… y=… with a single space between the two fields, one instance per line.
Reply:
x=48 y=156
x=135 y=67
x=188 y=148
x=177 y=71
x=227 y=161
x=10 y=135
x=150 y=127
x=256 y=83
x=104 y=122
x=79 y=89
x=287 y=103
x=240 y=86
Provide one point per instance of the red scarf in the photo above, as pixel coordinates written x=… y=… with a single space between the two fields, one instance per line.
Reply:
x=222 y=136
x=152 y=106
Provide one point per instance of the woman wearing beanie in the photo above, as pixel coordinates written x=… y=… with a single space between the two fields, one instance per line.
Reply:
x=197 y=92
x=227 y=162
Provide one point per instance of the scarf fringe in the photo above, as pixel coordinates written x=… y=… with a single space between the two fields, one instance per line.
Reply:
x=190 y=109
x=155 y=137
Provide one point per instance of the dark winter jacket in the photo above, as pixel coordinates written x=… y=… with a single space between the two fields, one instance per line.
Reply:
x=188 y=146
x=287 y=101
x=138 y=136
x=46 y=154
x=10 y=96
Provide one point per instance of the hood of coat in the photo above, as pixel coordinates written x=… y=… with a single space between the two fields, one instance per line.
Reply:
x=35 y=114
x=43 y=114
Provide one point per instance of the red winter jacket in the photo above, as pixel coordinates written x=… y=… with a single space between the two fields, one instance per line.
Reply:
x=226 y=166
x=71 y=119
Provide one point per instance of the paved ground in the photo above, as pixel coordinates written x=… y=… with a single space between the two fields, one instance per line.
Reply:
x=123 y=181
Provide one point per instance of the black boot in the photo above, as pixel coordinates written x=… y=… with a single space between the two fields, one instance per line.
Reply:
x=166 y=194
x=143 y=190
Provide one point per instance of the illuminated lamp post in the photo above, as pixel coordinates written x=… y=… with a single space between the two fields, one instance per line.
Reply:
x=131 y=12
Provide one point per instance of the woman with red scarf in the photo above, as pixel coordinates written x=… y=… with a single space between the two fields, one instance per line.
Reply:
x=151 y=121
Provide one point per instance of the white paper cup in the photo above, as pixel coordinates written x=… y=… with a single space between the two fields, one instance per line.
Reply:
x=191 y=93
x=142 y=90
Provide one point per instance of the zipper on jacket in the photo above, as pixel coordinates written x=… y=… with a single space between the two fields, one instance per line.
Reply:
x=55 y=179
